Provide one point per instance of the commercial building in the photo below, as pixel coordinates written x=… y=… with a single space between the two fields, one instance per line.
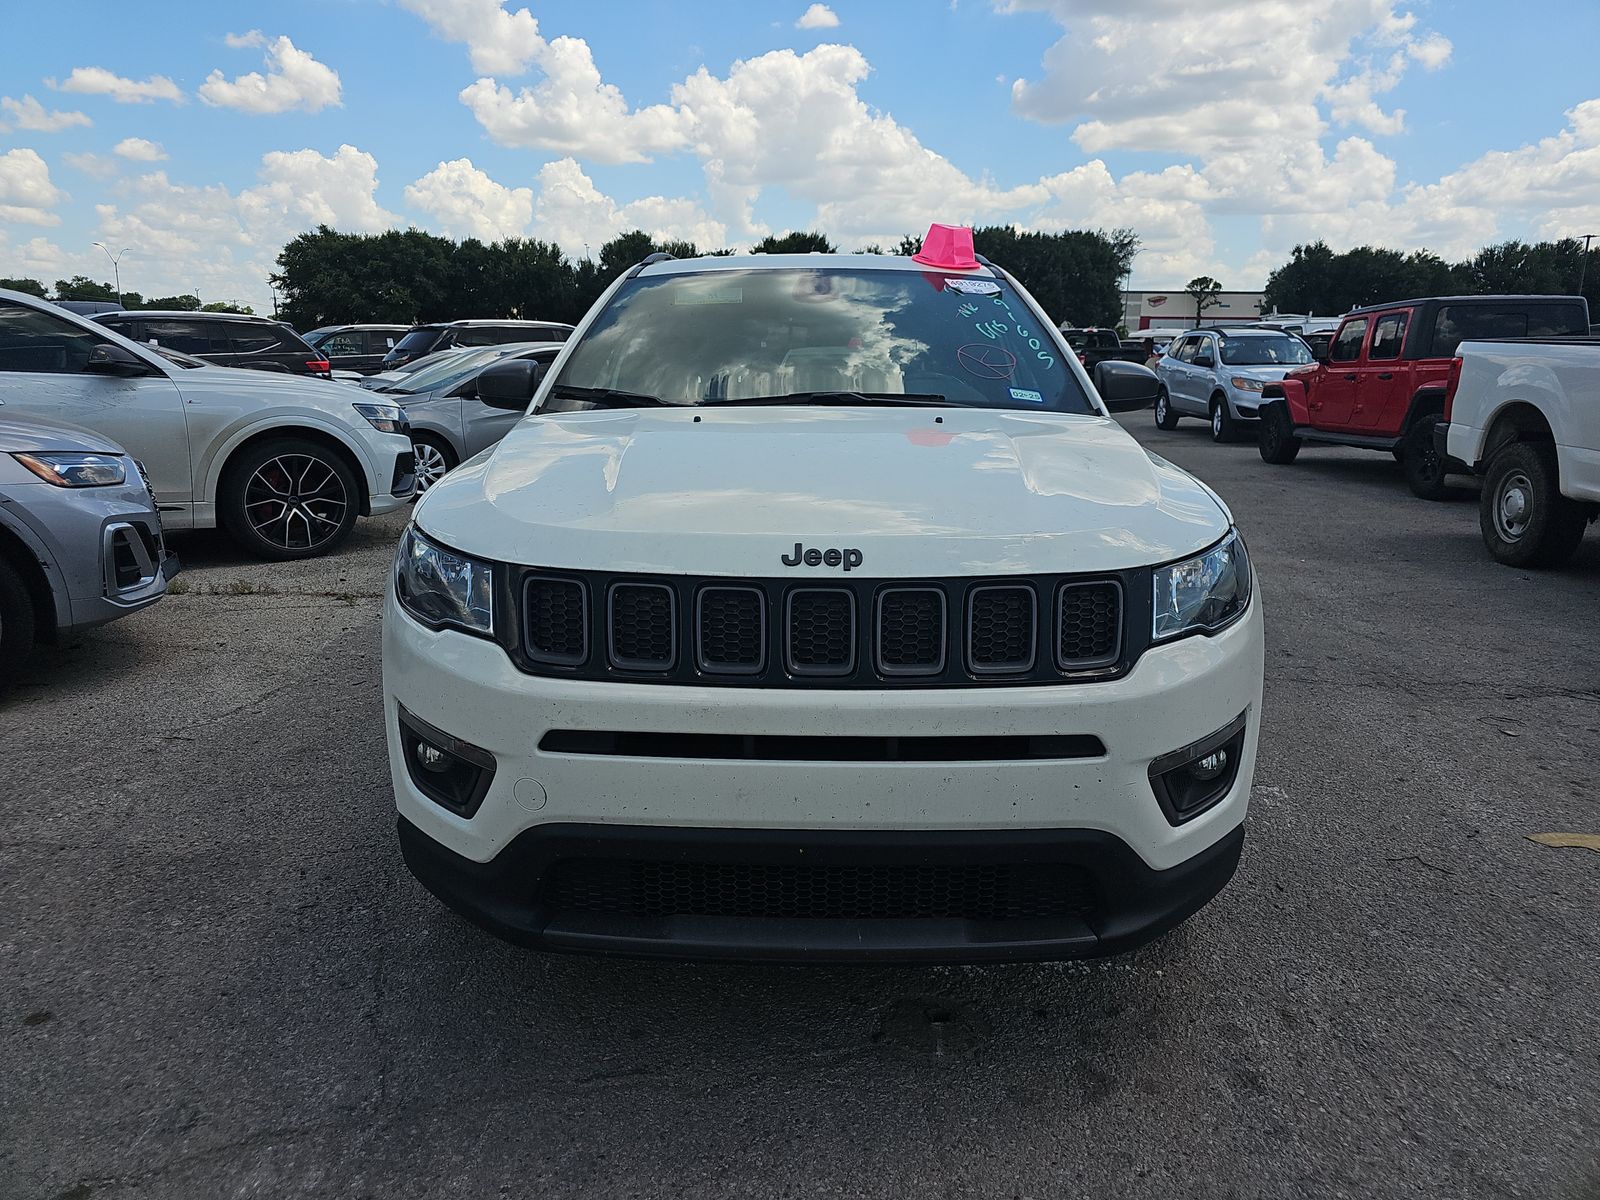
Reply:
x=1173 y=310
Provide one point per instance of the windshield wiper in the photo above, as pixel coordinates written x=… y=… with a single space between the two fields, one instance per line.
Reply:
x=609 y=397
x=912 y=399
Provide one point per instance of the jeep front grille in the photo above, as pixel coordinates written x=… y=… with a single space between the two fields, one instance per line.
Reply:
x=557 y=631
x=850 y=633
x=1088 y=624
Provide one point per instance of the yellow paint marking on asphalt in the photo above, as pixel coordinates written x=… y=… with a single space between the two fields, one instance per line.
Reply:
x=1579 y=841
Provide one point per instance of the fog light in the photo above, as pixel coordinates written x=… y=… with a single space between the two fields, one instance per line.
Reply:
x=1189 y=781
x=431 y=758
x=452 y=773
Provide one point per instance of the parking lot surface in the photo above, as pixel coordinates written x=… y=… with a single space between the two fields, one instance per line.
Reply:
x=217 y=979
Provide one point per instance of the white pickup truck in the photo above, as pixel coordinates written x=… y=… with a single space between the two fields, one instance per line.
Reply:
x=1524 y=414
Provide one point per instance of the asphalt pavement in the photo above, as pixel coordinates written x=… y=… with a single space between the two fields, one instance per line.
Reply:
x=217 y=979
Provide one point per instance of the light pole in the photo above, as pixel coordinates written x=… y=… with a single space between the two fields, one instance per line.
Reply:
x=1583 y=271
x=116 y=268
x=273 y=288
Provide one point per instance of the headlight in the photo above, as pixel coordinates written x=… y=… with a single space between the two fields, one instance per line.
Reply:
x=1202 y=594
x=75 y=470
x=442 y=587
x=1245 y=384
x=385 y=418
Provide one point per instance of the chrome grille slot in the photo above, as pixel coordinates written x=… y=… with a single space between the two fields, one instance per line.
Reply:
x=730 y=630
x=1000 y=629
x=911 y=631
x=642 y=626
x=1088 y=625
x=821 y=631
x=556 y=625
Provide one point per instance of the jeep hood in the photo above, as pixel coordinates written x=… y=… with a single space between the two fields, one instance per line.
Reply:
x=919 y=492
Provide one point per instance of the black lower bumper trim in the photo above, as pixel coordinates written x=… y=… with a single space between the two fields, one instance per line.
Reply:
x=512 y=894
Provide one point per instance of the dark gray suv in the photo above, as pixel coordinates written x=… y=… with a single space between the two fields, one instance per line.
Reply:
x=224 y=339
x=447 y=335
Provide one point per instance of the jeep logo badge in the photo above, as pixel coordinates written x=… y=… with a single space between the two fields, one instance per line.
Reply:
x=849 y=559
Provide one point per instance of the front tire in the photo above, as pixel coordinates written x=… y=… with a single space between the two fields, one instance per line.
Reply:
x=1275 y=439
x=16 y=619
x=433 y=458
x=1166 y=416
x=1524 y=518
x=289 y=498
x=1224 y=428
x=1424 y=469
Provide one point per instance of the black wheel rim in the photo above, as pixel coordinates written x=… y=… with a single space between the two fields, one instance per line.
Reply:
x=295 y=501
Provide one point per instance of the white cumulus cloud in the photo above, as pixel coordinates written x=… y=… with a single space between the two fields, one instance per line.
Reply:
x=26 y=194
x=499 y=42
x=293 y=80
x=97 y=81
x=464 y=202
x=578 y=217
x=34 y=117
x=818 y=16
x=139 y=149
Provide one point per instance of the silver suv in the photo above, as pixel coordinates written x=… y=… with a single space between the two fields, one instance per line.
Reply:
x=80 y=541
x=1218 y=373
x=285 y=464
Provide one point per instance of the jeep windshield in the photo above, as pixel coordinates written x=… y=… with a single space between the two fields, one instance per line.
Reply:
x=1272 y=350
x=817 y=335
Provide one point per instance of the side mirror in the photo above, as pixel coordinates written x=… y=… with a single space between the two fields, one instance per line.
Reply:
x=1320 y=353
x=110 y=359
x=1203 y=360
x=509 y=385
x=1125 y=386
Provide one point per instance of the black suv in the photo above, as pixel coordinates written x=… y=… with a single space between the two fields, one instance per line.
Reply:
x=446 y=335
x=356 y=347
x=226 y=339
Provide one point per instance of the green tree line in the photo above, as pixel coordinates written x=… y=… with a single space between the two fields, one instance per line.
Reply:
x=81 y=287
x=1317 y=279
x=327 y=277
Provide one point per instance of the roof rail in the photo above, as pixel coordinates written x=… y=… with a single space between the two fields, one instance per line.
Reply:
x=649 y=259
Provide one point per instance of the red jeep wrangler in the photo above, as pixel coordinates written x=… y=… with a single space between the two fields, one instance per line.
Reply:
x=1387 y=372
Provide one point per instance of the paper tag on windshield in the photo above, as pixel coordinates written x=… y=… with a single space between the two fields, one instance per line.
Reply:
x=1029 y=396
x=972 y=287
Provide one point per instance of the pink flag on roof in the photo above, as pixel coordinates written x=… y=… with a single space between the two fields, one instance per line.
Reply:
x=948 y=246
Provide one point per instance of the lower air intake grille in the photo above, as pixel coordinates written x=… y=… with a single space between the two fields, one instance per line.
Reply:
x=1089 y=625
x=557 y=630
x=977 y=892
x=1000 y=630
x=822 y=631
x=642 y=626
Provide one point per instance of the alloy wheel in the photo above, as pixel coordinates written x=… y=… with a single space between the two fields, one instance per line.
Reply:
x=430 y=465
x=295 y=501
x=1216 y=421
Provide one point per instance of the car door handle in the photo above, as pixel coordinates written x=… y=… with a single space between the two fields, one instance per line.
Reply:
x=1352 y=378
x=1386 y=375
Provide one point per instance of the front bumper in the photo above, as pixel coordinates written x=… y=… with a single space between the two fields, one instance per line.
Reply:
x=1097 y=812
x=1106 y=900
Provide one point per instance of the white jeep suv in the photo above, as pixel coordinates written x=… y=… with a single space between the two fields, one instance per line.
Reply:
x=819 y=610
x=285 y=464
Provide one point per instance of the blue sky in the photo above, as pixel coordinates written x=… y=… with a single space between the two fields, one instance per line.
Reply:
x=1221 y=133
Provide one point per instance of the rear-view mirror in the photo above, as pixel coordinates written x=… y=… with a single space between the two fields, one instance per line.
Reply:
x=1125 y=386
x=509 y=385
